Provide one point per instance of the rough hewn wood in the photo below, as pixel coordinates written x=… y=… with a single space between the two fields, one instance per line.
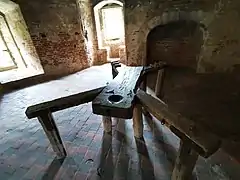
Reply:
x=185 y=162
x=107 y=123
x=154 y=67
x=123 y=85
x=62 y=103
x=114 y=65
x=159 y=83
x=206 y=141
x=52 y=133
x=148 y=70
x=137 y=121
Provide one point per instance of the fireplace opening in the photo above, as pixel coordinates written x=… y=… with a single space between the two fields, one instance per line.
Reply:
x=179 y=45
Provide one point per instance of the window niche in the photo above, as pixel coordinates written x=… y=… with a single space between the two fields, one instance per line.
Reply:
x=112 y=23
x=109 y=20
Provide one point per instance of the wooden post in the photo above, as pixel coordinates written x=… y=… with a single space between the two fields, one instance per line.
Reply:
x=52 y=133
x=185 y=162
x=143 y=86
x=159 y=83
x=137 y=121
x=107 y=123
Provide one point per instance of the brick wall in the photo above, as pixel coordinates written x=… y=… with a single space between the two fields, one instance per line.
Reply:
x=55 y=30
x=177 y=43
x=217 y=19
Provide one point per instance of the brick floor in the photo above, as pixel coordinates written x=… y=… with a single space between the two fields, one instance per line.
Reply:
x=25 y=152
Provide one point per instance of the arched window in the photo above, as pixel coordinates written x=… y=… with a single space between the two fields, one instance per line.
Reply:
x=109 y=20
x=112 y=22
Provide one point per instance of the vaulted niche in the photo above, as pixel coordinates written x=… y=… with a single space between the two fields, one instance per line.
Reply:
x=177 y=43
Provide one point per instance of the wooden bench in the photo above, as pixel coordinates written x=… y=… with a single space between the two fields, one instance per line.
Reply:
x=123 y=98
x=118 y=98
x=43 y=112
x=195 y=139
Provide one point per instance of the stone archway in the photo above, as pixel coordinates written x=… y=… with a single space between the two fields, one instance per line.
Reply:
x=96 y=8
x=136 y=36
x=115 y=48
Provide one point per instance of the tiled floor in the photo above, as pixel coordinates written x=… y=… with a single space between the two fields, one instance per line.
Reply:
x=25 y=152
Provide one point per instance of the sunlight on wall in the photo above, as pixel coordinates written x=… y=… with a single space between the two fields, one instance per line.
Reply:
x=113 y=23
x=19 y=58
x=6 y=61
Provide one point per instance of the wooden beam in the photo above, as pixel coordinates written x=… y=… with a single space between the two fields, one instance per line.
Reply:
x=117 y=99
x=154 y=67
x=62 y=103
x=107 y=124
x=159 y=83
x=205 y=142
x=52 y=133
x=114 y=65
x=137 y=121
x=185 y=162
x=148 y=70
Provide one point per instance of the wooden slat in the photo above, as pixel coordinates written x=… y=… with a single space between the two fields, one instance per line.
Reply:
x=51 y=130
x=206 y=141
x=62 y=103
x=185 y=162
x=159 y=83
x=123 y=85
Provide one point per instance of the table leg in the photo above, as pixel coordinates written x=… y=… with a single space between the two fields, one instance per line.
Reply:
x=137 y=121
x=52 y=133
x=159 y=83
x=107 y=123
x=185 y=162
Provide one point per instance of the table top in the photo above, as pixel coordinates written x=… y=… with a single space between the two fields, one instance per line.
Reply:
x=117 y=97
x=211 y=99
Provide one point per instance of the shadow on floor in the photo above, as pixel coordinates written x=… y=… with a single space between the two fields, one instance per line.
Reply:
x=53 y=169
x=120 y=151
x=105 y=166
x=146 y=166
x=170 y=151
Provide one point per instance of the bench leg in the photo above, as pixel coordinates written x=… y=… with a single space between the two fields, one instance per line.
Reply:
x=185 y=162
x=159 y=83
x=52 y=133
x=107 y=123
x=137 y=121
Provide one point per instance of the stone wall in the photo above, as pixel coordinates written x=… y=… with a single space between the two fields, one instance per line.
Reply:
x=217 y=19
x=55 y=29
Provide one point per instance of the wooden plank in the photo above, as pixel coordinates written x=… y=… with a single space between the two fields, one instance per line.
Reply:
x=114 y=65
x=107 y=123
x=51 y=130
x=159 y=83
x=62 y=103
x=137 y=121
x=185 y=162
x=121 y=89
x=205 y=142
